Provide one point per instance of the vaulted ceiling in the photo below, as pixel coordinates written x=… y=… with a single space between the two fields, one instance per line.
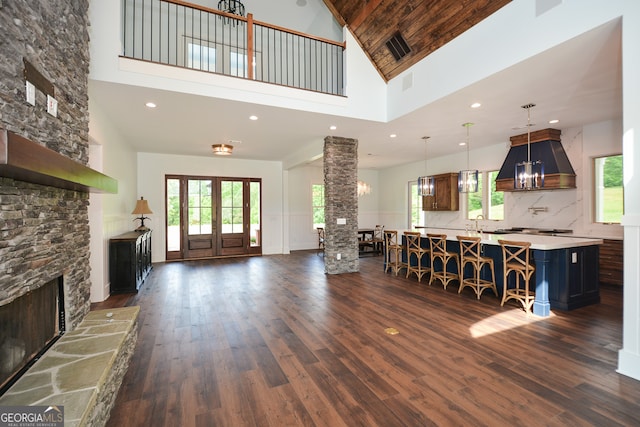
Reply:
x=425 y=25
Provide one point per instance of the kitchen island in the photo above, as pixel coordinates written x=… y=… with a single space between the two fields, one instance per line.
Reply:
x=566 y=275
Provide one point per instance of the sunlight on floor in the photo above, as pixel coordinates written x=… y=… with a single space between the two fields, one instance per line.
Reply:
x=501 y=322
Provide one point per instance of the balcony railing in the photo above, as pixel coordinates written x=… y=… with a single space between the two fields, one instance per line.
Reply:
x=187 y=35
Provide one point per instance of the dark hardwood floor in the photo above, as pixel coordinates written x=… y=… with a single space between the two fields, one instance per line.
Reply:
x=273 y=341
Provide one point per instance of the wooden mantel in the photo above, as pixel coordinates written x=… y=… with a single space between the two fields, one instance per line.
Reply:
x=24 y=160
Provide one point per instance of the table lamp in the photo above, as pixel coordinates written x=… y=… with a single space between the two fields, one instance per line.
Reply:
x=142 y=208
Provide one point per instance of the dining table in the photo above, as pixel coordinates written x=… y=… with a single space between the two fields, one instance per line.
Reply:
x=366 y=244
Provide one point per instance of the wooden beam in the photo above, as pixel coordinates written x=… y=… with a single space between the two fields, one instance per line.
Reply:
x=25 y=160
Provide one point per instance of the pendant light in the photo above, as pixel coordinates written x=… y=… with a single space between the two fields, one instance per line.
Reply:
x=425 y=183
x=529 y=175
x=468 y=179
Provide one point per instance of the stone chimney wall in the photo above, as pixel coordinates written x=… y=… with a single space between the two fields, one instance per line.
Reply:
x=341 y=203
x=44 y=231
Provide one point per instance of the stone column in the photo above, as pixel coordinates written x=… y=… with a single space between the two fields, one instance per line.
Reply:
x=341 y=205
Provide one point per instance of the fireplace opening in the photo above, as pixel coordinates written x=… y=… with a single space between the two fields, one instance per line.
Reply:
x=31 y=324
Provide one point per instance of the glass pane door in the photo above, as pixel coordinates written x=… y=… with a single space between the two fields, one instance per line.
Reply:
x=174 y=246
x=212 y=216
x=254 y=209
x=200 y=225
x=232 y=235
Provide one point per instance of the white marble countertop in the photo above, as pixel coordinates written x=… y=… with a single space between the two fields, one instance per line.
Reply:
x=540 y=242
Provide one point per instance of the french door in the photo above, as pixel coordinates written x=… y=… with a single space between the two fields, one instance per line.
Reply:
x=212 y=216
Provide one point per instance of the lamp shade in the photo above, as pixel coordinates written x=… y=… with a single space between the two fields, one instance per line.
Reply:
x=142 y=207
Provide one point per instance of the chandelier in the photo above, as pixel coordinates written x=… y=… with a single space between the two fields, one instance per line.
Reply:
x=529 y=175
x=425 y=183
x=234 y=7
x=468 y=179
x=363 y=188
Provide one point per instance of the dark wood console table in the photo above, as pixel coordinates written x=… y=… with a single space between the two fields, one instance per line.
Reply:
x=129 y=261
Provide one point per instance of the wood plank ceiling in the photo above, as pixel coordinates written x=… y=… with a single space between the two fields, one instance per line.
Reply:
x=425 y=25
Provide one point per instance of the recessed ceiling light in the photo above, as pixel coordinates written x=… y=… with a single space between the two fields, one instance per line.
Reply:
x=476 y=105
x=393 y=135
x=333 y=127
x=554 y=121
x=151 y=105
x=253 y=117
x=462 y=144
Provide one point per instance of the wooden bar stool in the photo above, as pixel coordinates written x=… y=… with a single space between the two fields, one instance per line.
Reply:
x=438 y=248
x=393 y=252
x=414 y=248
x=470 y=253
x=516 y=259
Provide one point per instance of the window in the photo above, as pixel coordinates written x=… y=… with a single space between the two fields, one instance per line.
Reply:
x=173 y=214
x=609 y=195
x=254 y=212
x=474 y=200
x=416 y=216
x=495 y=207
x=487 y=201
x=201 y=57
x=317 y=202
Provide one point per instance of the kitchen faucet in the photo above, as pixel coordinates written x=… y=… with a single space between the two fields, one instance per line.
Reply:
x=479 y=217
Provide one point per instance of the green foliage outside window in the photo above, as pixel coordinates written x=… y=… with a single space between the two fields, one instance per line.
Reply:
x=609 y=193
x=474 y=200
x=317 y=203
x=173 y=202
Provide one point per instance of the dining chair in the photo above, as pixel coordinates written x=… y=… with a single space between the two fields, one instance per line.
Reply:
x=320 y=240
x=378 y=238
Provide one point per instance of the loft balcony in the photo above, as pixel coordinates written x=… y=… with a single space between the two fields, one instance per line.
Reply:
x=190 y=36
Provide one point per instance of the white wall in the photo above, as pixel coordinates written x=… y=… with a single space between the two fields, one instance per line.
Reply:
x=302 y=235
x=110 y=214
x=152 y=169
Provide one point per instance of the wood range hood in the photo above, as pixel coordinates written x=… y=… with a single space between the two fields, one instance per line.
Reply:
x=25 y=160
x=545 y=146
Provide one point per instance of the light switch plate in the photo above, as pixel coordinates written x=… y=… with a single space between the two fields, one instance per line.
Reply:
x=342 y=221
x=31 y=93
x=52 y=106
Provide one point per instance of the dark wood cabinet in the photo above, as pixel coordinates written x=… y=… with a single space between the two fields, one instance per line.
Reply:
x=446 y=194
x=611 y=261
x=129 y=261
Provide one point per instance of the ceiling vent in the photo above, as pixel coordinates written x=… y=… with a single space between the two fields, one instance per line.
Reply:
x=398 y=46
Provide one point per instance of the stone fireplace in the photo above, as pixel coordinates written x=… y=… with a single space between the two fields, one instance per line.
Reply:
x=44 y=229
